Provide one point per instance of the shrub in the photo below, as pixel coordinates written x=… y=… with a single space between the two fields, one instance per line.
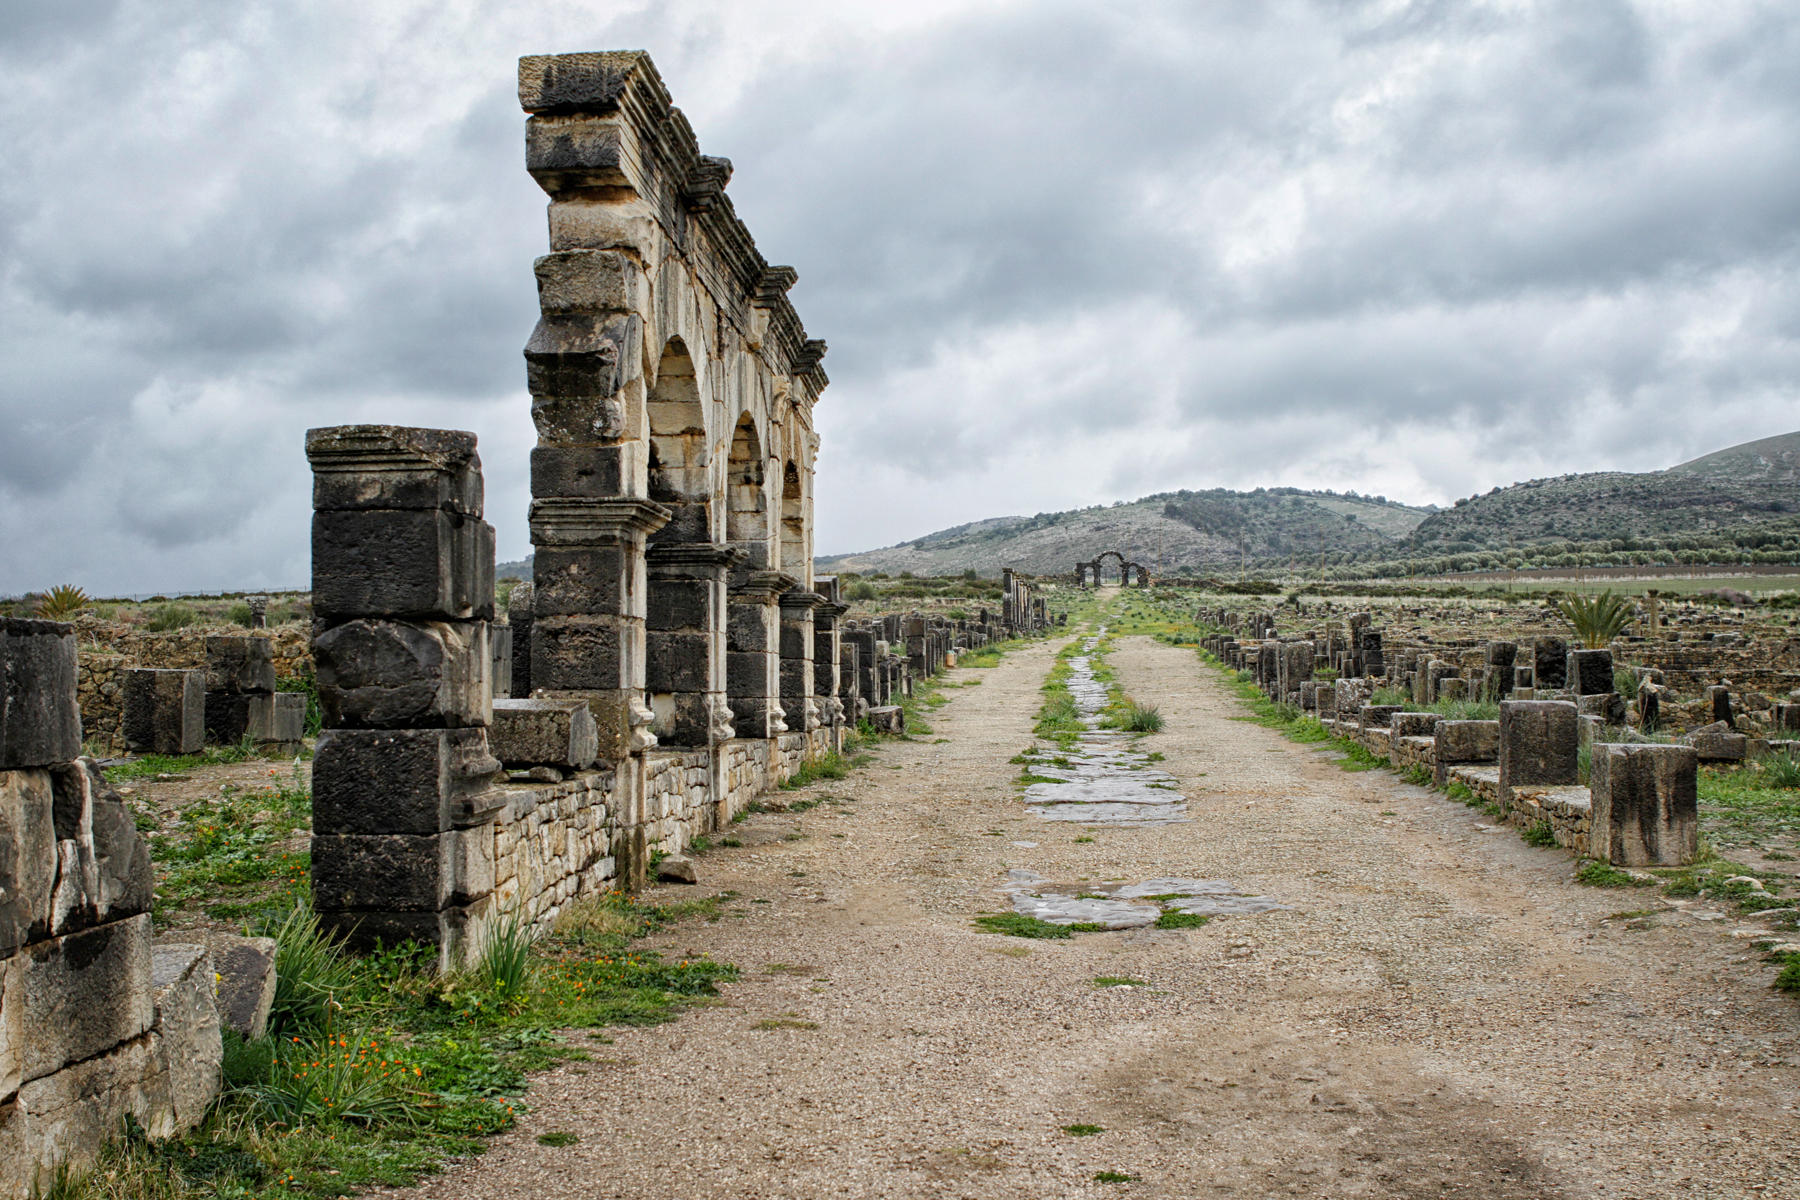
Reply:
x=171 y=616
x=1781 y=770
x=1140 y=718
x=62 y=602
x=862 y=589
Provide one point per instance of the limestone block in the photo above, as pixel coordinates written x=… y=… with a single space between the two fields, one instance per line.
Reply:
x=582 y=357
x=12 y=1024
x=579 y=580
x=27 y=857
x=246 y=969
x=416 y=781
x=85 y=993
x=164 y=711
x=40 y=723
x=103 y=869
x=1718 y=742
x=1377 y=716
x=1645 y=807
x=186 y=1042
x=575 y=653
x=402 y=872
x=66 y=1116
x=1539 y=743
x=1413 y=724
x=888 y=718
x=1589 y=672
x=590 y=281
x=596 y=472
x=1467 y=741
x=540 y=731
x=277 y=722
x=239 y=664
x=393 y=466
x=1608 y=707
x=587 y=82
x=388 y=674
x=428 y=565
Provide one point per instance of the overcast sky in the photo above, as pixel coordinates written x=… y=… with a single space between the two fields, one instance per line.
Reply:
x=1063 y=253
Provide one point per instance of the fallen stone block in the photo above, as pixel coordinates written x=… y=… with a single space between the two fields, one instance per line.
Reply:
x=888 y=718
x=1718 y=742
x=559 y=733
x=246 y=968
x=164 y=712
x=186 y=1044
x=277 y=723
x=677 y=868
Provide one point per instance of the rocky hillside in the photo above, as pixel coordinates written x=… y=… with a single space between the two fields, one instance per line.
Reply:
x=1737 y=502
x=1194 y=533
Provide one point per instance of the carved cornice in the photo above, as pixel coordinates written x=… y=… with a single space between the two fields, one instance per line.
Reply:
x=577 y=521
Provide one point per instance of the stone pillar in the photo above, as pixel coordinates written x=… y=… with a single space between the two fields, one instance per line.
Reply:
x=797 y=696
x=828 y=667
x=259 y=611
x=1539 y=745
x=1549 y=664
x=1372 y=661
x=753 y=655
x=165 y=711
x=1646 y=811
x=403 y=591
x=1501 y=658
x=685 y=642
x=240 y=676
x=1589 y=672
x=587 y=630
x=518 y=616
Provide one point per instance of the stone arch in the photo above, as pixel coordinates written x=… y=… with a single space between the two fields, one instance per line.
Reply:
x=793 y=523
x=678 y=474
x=747 y=505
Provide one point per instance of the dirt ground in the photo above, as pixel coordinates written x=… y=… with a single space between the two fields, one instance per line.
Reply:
x=1440 y=1012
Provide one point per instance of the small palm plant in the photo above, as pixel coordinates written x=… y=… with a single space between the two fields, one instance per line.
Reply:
x=61 y=602
x=1597 y=620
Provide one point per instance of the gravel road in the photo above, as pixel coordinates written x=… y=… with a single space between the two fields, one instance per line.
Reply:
x=1439 y=1012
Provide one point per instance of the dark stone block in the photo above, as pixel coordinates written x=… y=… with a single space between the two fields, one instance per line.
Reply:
x=1589 y=672
x=164 y=711
x=390 y=563
x=576 y=654
x=401 y=781
x=557 y=733
x=1549 y=663
x=580 y=580
x=574 y=153
x=582 y=356
x=587 y=471
x=277 y=722
x=239 y=664
x=383 y=674
x=1539 y=744
x=747 y=628
x=401 y=872
x=678 y=604
x=228 y=716
x=587 y=82
x=500 y=659
x=690 y=521
x=40 y=723
x=679 y=662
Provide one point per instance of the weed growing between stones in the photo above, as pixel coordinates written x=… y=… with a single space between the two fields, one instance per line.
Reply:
x=829 y=765
x=1113 y=1177
x=1020 y=925
x=1418 y=775
x=1540 y=835
x=1083 y=1130
x=1110 y=981
x=1594 y=873
x=558 y=1138
x=1181 y=920
x=376 y=1069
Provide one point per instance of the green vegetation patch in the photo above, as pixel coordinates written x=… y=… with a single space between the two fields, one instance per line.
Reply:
x=1020 y=925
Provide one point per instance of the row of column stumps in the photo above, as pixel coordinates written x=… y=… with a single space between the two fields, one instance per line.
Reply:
x=1640 y=805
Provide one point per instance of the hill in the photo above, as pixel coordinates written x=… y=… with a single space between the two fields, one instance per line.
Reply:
x=1186 y=532
x=1733 y=505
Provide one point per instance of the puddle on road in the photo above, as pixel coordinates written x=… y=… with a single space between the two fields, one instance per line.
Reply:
x=1128 y=905
x=1105 y=780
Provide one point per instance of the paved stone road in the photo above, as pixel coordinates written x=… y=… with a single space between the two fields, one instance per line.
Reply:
x=1439 y=1012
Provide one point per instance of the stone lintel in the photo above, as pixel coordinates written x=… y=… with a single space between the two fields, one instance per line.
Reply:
x=762 y=587
x=594 y=81
x=575 y=521
x=692 y=558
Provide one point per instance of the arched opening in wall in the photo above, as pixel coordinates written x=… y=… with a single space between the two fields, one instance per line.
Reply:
x=678 y=474
x=793 y=525
x=747 y=516
x=1118 y=566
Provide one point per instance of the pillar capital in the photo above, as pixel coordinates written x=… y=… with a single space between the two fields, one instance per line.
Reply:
x=587 y=521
